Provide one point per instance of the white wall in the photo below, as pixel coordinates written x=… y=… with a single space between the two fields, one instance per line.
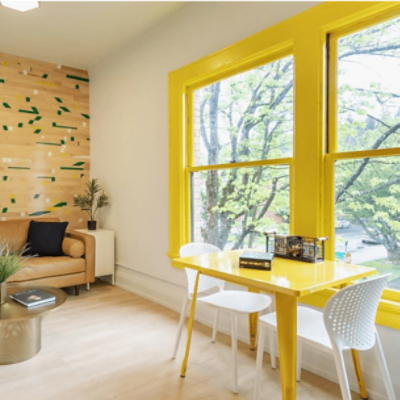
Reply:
x=129 y=119
x=129 y=132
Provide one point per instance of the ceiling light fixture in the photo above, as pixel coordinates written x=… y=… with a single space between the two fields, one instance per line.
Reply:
x=21 y=5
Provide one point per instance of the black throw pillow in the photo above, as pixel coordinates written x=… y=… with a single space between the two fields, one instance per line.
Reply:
x=45 y=238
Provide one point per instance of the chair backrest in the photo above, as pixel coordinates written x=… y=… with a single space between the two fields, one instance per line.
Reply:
x=205 y=282
x=349 y=315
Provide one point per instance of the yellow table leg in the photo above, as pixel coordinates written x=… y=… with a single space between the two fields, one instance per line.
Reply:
x=357 y=369
x=253 y=324
x=190 y=326
x=286 y=312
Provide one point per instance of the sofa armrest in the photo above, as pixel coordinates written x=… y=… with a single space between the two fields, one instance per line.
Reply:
x=90 y=247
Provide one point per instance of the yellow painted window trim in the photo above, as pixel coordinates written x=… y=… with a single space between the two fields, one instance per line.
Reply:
x=304 y=36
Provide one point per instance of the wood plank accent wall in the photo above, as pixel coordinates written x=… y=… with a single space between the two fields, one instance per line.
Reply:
x=44 y=139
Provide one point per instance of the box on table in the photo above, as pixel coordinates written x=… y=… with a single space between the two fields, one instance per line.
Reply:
x=256 y=260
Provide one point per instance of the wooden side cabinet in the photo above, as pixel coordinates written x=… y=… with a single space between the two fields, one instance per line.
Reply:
x=104 y=256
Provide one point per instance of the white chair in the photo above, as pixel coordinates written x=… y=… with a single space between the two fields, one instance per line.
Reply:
x=233 y=301
x=347 y=322
x=206 y=283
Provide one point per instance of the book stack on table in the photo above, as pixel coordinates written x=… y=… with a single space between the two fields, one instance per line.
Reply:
x=256 y=260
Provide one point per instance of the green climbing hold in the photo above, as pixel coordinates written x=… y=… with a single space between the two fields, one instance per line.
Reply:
x=34 y=111
x=78 y=78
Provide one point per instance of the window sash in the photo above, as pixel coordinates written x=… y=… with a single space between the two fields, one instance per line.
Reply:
x=332 y=155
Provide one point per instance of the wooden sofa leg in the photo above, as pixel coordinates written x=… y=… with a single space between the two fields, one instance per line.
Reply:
x=76 y=290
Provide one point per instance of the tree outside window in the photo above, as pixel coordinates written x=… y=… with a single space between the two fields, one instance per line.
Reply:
x=367 y=189
x=245 y=118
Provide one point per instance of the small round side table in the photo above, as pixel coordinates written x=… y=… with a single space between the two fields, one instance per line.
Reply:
x=21 y=327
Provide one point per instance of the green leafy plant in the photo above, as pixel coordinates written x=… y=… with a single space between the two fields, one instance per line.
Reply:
x=92 y=200
x=11 y=260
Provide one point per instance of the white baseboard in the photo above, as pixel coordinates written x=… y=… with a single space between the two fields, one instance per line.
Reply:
x=170 y=295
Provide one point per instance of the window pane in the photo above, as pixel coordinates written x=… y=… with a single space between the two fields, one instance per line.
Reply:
x=369 y=88
x=232 y=207
x=367 y=217
x=245 y=117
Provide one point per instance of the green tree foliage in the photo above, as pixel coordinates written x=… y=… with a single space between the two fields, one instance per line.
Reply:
x=367 y=190
x=245 y=118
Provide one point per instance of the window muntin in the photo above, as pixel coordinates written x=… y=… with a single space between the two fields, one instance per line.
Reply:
x=232 y=206
x=368 y=88
x=245 y=117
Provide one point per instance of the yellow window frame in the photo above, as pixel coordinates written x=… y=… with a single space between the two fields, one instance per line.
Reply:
x=311 y=168
x=191 y=167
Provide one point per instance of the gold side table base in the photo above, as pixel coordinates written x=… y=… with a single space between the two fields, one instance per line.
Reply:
x=20 y=340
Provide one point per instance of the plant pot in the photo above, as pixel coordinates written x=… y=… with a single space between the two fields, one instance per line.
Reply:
x=91 y=225
x=3 y=292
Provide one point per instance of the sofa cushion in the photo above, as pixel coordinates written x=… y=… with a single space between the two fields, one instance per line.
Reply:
x=73 y=247
x=15 y=232
x=43 y=267
x=45 y=238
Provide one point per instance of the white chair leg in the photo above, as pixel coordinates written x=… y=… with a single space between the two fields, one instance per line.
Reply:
x=234 y=351
x=341 y=371
x=383 y=368
x=186 y=302
x=215 y=328
x=299 y=353
x=260 y=355
x=271 y=339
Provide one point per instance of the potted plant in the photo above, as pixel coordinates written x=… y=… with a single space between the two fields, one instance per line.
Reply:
x=91 y=201
x=11 y=261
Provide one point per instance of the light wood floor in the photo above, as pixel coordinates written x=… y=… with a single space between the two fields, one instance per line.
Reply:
x=111 y=344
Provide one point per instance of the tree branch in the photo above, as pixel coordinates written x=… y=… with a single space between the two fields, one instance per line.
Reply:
x=202 y=125
x=374 y=189
x=365 y=161
x=369 y=115
x=372 y=50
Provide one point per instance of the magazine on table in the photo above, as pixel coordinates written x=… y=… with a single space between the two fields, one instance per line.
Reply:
x=33 y=297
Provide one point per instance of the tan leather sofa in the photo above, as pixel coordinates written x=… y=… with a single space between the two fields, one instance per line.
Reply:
x=64 y=271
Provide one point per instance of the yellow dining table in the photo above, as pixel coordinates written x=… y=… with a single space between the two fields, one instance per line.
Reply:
x=289 y=280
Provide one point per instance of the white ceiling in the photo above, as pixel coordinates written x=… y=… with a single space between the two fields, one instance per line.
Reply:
x=78 y=34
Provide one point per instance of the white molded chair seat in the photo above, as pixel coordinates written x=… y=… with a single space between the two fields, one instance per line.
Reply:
x=238 y=301
x=233 y=301
x=347 y=322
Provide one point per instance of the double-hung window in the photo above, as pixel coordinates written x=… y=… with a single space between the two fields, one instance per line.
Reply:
x=296 y=129
x=240 y=149
x=364 y=145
